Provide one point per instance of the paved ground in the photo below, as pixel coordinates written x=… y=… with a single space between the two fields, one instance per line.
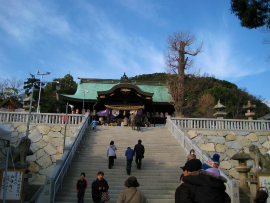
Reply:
x=158 y=178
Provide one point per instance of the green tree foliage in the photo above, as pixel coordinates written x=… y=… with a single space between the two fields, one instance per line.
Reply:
x=252 y=13
x=51 y=101
x=28 y=84
x=161 y=77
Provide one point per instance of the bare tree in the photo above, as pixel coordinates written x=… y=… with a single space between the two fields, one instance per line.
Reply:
x=206 y=104
x=266 y=40
x=179 y=45
x=12 y=87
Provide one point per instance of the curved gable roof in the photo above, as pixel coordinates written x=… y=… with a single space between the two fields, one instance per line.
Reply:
x=158 y=91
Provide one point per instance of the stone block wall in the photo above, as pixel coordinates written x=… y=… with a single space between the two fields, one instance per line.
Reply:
x=228 y=143
x=47 y=146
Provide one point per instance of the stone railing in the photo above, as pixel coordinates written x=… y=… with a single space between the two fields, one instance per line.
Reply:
x=221 y=124
x=54 y=181
x=232 y=186
x=41 y=118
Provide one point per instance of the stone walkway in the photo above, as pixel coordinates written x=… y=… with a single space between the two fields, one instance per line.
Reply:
x=158 y=177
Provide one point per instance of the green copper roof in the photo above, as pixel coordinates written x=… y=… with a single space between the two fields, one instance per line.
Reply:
x=94 y=85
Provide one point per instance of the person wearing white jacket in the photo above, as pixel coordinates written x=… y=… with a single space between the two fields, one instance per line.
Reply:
x=111 y=153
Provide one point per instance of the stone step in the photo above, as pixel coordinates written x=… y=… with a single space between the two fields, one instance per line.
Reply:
x=114 y=191
x=120 y=186
x=113 y=196
x=89 y=200
x=91 y=172
x=122 y=179
x=158 y=177
x=79 y=170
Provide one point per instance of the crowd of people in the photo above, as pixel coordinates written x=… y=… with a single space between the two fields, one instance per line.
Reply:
x=199 y=183
x=100 y=186
x=138 y=152
x=133 y=121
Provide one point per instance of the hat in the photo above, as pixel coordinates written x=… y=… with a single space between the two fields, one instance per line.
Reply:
x=214 y=171
x=212 y=162
x=132 y=182
x=192 y=165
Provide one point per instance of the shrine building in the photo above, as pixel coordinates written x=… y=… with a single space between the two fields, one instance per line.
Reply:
x=123 y=96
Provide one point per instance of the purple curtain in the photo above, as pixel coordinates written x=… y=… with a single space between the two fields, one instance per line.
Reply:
x=114 y=113
x=105 y=113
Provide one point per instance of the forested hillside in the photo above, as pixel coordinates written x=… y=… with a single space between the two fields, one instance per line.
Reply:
x=203 y=92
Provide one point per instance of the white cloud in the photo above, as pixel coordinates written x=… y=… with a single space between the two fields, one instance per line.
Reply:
x=145 y=9
x=26 y=21
x=222 y=59
x=103 y=44
x=123 y=52
x=267 y=102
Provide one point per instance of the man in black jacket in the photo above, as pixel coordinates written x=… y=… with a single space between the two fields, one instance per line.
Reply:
x=139 y=152
x=98 y=186
x=185 y=193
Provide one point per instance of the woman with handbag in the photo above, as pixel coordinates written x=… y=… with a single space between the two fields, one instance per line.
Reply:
x=111 y=153
x=100 y=189
x=132 y=194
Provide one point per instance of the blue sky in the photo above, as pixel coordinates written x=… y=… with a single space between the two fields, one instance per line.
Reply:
x=105 y=38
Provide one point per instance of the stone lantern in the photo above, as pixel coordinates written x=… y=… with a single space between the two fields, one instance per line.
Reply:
x=219 y=108
x=243 y=169
x=249 y=113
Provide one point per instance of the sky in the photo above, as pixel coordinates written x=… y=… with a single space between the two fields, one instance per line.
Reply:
x=105 y=38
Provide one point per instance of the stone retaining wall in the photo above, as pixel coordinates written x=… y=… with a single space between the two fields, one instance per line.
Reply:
x=228 y=143
x=47 y=146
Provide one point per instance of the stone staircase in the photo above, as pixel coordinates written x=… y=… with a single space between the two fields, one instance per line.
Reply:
x=158 y=177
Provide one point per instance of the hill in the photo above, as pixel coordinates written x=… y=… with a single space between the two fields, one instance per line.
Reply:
x=203 y=92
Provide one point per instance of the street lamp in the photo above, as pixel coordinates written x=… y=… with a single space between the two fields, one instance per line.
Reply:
x=31 y=101
x=38 y=73
x=71 y=106
x=84 y=96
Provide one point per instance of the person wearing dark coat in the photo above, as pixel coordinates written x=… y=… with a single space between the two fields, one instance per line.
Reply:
x=129 y=154
x=139 y=154
x=138 y=122
x=210 y=187
x=185 y=193
x=98 y=186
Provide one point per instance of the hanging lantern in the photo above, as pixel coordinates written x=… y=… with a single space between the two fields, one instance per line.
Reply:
x=157 y=115
x=166 y=114
x=77 y=111
x=161 y=115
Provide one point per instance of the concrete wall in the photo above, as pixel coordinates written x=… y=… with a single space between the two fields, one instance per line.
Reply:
x=47 y=146
x=228 y=143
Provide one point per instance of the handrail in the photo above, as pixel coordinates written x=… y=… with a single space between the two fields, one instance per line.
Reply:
x=40 y=118
x=222 y=124
x=232 y=186
x=54 y=181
